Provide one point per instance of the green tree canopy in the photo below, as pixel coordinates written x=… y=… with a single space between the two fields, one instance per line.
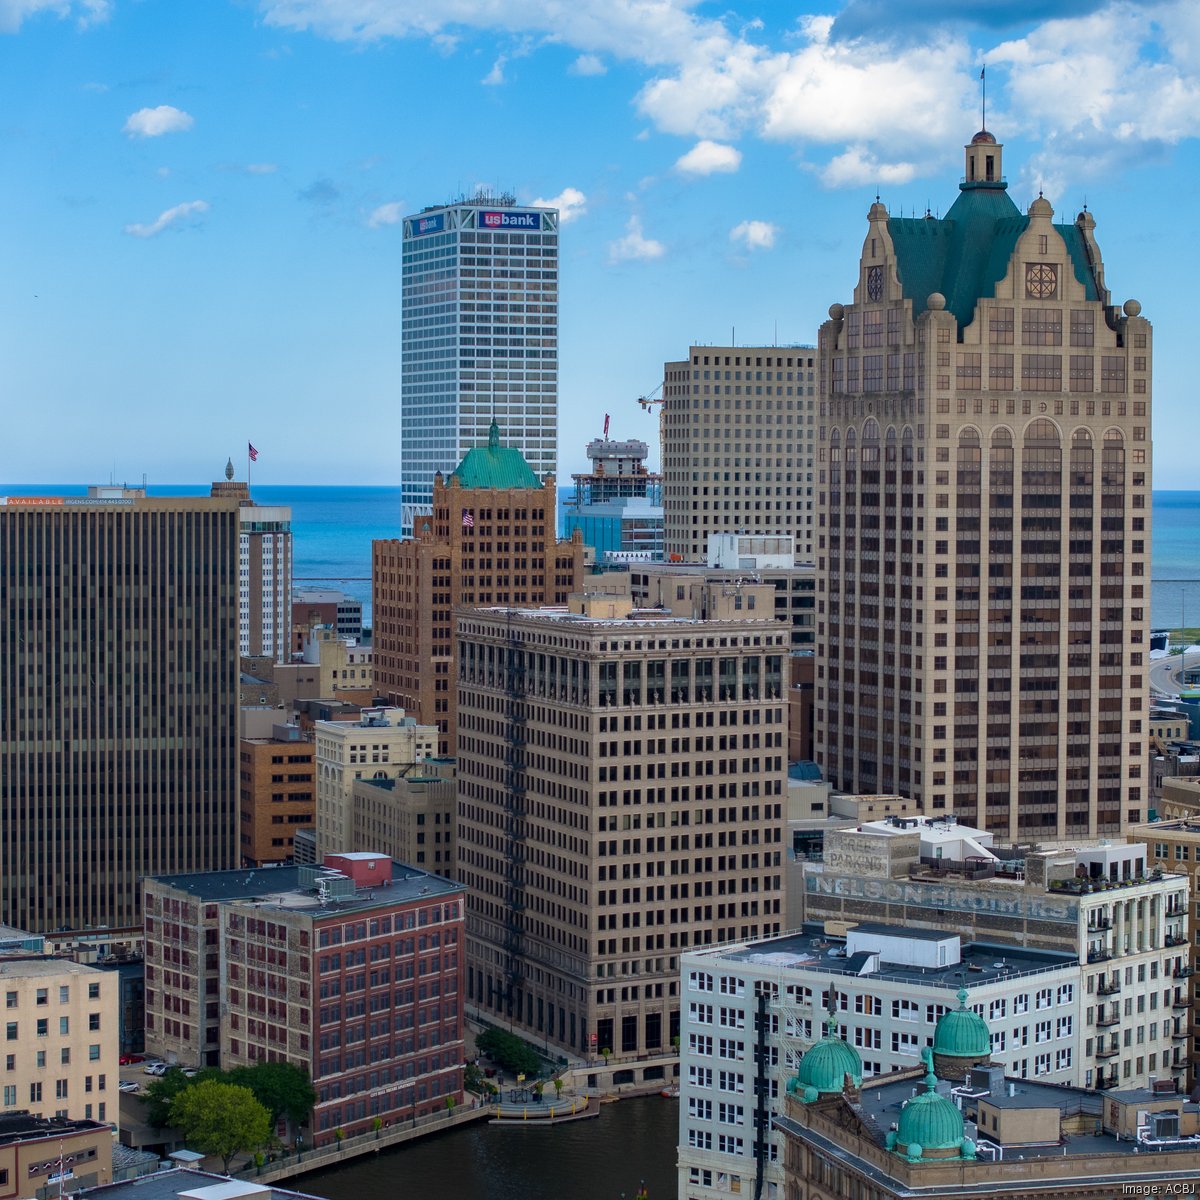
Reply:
x=510 y=1052
x=282 y=1088
x=222 y=1119
x=160 y=1095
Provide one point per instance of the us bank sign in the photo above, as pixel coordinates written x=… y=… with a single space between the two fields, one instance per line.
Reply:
x=933 y=895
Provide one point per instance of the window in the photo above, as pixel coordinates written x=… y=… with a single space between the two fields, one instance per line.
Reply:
x=10 y=1031
x=43 y=1027
x=60 y=1089
x=64 y=994
x=64 y=1025
x=93 y=1020
x=700 y=1139
x=42 y=996
x=1041 y=372
x=10 y=999
x=94 y=1052
x=64 y=1055
x=1041 y=326
x=699 y=1108
x=35 y=1093
x=10 y=1096
x=93 y=991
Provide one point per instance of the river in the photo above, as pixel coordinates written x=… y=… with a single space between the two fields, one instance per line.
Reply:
x=630 y=1143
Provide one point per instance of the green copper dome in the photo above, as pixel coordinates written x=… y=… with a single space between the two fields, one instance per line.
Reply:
x=495 y=466
x=962 y=1033
x=825 y=1066
x=929 y=1122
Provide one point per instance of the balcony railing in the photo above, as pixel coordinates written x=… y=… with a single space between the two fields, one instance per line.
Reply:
x=1110 y=988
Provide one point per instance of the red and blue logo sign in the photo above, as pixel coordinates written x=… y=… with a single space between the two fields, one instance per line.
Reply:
x=423 y=225
x=509 y=220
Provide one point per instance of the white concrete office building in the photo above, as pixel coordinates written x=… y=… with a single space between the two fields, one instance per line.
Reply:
x=480 y=338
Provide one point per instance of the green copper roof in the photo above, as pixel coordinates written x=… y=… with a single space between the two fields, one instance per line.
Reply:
x=966 y=253
x=962 y=1032
x=929 y=1121
x=495 y=466
x=825 y=1066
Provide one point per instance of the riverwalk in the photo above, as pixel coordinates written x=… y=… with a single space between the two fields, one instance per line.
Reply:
x=556 y=1112
x=287 y=1165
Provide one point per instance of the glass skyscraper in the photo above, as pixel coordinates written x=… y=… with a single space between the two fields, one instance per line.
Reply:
x=480 y=338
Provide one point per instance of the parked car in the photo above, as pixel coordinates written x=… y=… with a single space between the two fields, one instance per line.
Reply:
x=155 y=1068
x=190 y=1072
x=128 y=1085
x=127 y=1060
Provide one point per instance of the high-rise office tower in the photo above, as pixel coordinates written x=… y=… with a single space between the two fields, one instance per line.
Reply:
x=983 y=544
x=480 y=338
x=118 y=700
x=621 y=790
x=490 y=540
x=738 y=429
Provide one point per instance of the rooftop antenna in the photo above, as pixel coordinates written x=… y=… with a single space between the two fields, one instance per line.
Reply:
x=983 y=84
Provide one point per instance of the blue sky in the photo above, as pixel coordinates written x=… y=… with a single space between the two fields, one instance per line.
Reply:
x=199 y=198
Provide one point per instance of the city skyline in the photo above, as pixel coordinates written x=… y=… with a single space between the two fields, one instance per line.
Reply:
x=215 y=248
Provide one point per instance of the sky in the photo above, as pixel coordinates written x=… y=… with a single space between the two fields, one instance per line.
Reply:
x=200 y=200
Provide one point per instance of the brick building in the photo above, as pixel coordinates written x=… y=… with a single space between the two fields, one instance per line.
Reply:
x=491 y=540
x=352 y=970
x=278 y=794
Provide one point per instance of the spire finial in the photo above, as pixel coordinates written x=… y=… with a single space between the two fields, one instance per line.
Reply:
x=494 y=436
x=229 y=470
x=983 y=88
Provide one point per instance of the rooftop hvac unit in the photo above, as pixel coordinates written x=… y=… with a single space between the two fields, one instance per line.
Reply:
x=1164 y=1125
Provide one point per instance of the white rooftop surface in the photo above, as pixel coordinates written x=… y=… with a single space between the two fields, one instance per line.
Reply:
x=227 y=1191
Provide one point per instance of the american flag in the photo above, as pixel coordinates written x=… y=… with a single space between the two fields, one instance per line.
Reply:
x=468 y=520
x=252 y=452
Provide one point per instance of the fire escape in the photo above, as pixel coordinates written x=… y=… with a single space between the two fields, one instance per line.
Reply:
x=515 y=811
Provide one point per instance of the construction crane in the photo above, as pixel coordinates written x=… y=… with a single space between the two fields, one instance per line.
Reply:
x=649 y=400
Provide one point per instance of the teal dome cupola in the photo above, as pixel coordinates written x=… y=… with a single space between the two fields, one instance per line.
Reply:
x=930 y=1126
x=961 y=1039
x=824 y=1067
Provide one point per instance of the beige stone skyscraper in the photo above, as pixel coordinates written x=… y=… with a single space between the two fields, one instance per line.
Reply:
x=983 y=540
x=621 y=780
x=738 y=429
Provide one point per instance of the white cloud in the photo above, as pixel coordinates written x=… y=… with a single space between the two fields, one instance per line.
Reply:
x=264 y=168
x=755 y=235
x=495 y=76
x=391 y=213
x=570 y=202
x=888 y=104
x=857 y=166
x=86 y=12
x=1134 y=86
x=154 y=122
x=181 y=213
x=588 y=64
x=706 y=158
x=635 y=246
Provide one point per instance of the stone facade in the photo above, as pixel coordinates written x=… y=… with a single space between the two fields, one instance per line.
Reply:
x=621 y=791
x=983 y=479
x=738 y=431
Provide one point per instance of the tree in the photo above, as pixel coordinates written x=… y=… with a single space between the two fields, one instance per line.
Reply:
x=222 y=1119
x=509 y=1051
x=161 y=1094
x=281 y=1088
